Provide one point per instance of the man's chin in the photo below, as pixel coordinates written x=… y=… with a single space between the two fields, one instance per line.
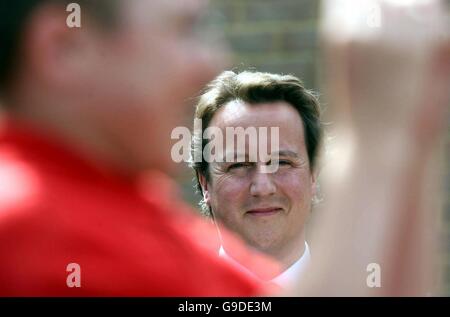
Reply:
x=268 y=247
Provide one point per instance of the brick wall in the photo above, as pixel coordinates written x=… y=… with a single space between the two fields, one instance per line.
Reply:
x=275 y=36
x=446 y=212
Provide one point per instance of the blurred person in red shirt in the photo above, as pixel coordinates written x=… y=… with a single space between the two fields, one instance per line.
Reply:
x=85 y=206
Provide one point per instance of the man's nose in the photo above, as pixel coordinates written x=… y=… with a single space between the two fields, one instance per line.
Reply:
x=262 y=184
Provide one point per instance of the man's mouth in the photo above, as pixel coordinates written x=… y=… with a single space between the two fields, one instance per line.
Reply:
x=261 y=212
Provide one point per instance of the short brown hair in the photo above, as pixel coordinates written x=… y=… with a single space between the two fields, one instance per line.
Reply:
x=255 y=88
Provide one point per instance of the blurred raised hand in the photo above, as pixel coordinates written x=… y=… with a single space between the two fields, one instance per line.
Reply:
x=387 y=65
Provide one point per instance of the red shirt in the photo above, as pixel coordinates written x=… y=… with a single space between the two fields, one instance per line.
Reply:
x=56 y=209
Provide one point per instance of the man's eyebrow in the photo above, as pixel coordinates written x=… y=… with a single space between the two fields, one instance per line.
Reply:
x=282 y=153
x=287 y=153
x=235 y=156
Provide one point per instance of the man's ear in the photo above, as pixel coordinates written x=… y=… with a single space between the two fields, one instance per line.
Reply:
x=314 y=175
x=204 y=185
x=55 y=52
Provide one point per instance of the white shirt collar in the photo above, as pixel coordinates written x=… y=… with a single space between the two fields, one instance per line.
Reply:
x=292 y=273
x=285 y=279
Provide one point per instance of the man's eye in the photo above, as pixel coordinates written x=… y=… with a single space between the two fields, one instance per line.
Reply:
x=238 y=165
x=281 y=162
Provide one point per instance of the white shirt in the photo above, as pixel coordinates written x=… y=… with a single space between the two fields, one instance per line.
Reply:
x=292 y=273
x=285 y=279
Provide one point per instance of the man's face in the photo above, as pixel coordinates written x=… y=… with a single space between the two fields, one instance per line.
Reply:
x=142 y=74
x=268 y=210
